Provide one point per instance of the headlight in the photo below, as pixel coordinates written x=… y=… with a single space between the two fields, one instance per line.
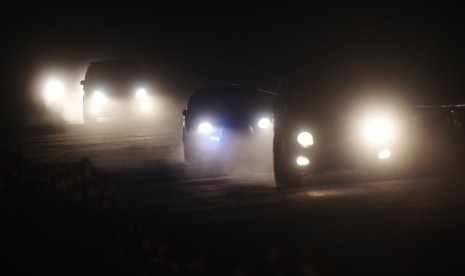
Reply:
x=141 y=94
x=305 y=139
x=302 y=161
x=98 y=97
x=384 y=154
x=378 y=130
x=264 y=123
x=205 y=128
x=54 y=91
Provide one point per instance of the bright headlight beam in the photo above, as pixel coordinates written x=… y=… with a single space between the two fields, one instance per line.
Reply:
x=141 y=94
x=205 y=127
x=302 y=161
x=384 y=154
x=378 y=130
x=54 y=91
x=264 y=123
x=305 y=139
x=98 y=97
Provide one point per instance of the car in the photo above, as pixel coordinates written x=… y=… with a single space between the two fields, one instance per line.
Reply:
x=227 y=122
x=322 y=126
x=115 y=88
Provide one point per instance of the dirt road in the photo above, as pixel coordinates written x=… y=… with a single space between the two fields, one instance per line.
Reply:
x=335 y=224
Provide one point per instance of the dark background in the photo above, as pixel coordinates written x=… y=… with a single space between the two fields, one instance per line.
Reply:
x=381 y=227
x=258 y=44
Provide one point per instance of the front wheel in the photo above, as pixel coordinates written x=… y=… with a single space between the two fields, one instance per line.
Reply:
x=286 y=173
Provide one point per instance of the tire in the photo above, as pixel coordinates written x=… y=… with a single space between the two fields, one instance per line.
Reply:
x=286 y=174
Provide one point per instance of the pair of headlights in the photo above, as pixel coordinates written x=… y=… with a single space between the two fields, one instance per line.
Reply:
x=99 y=97
x=377 y=130
x=263 y=123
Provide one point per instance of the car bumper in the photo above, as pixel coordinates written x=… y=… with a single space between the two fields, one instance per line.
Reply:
x=418 y=153
x=121 y=108
x=229 y=144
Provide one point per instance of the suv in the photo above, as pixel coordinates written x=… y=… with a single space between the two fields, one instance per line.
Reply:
x=320 y=127
x=227 y=121
x=115 y=88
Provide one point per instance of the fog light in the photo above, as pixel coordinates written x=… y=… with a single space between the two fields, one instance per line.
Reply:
x=302 y=161
x=384 y=154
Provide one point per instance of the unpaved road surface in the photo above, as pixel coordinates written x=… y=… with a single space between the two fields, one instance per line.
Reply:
x=335 y=224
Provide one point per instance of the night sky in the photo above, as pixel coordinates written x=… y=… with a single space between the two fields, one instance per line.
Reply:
x=254 y=44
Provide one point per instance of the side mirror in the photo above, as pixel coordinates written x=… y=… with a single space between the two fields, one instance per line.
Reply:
x=83 y=82
x=184 y=112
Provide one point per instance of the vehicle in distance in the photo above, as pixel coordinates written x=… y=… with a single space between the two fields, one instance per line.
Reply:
x=320 y=127
x=227 y=122
x=115 y=88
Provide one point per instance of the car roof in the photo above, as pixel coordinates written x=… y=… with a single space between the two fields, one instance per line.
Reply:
x=113 y=62
x=231 y=91
x=228 y=95
x=114 y=69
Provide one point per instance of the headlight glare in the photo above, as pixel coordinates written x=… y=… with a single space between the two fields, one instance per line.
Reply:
x=98 y=97
x=378 y=130
x=302 y=161
x=384 y=154
x=146 y=107
x=54 y=91
x=96 y=110
x=205 y=128
x=141 y=94
x=264 y=123
x=305 y=139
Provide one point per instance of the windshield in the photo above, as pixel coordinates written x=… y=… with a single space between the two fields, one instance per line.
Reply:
x=110 y=72
x=230 y=99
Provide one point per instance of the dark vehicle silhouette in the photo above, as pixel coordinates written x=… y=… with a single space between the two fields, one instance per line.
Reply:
x=226 y=122
x=322 y=126
x=115 y=88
